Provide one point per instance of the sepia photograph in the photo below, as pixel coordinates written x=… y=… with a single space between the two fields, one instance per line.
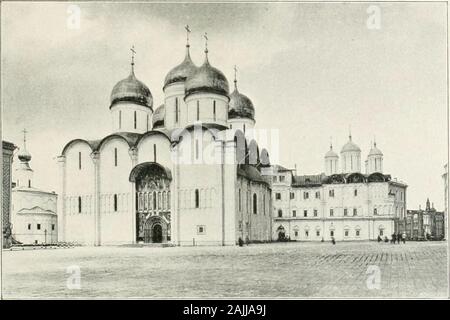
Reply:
x=224 y=150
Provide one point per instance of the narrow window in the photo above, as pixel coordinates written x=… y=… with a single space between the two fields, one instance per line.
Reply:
x=198 y=110
x=294 y=213
x=331 y=212
x=345 y=212
x=355 y=211
x=244 y=127
x=197 y=198
x=315 y=212
x=214 y=110
x=296 y=233
x=239 y=200
x=135 y=120
x=332 y=233
x=120 y=119
x=79 y=160
x=292 y=195
x=154 y=152
x=115 y=157
x=147 y=122
x=306 y=233
x=201 y=230
x=53 y=227
x=154 y=200
x=305 y=213
x=255 y=204
x=318 y=233
x=79 y=204
x=346 y=233
x=39 y=226
x=357 y=233
x=277 y=196
x=280 y=213
x=115 y=203
x=375 y=211
x=176 y=110
x=264 y=204
x=29 y=226
x=356 y=192
x=231 y=126
x=196 y=149
x=29 y=183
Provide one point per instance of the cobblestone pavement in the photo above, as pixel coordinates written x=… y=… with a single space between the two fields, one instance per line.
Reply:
x=414 y=269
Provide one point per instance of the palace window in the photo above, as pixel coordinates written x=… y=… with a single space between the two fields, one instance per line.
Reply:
x=277 y=196
x=38 y=226
x=355 y=211
x=135 y=119
x=317 y=194
x=29 y=226
x=345 y=212
x=79 y=204
x=315 y=212
x=318 y=233
x=357 y=233
x=53 y=227
x=255 y=204
x=201 y=230
x=280 y=213
x=274 y=178
x=214 y=110
x=375 y=211
x=292 y=195
x=332 y=233
x=115 y=203
x=282 y=178
x=381 y=232
x=331 y=212
x=29 y=183
x=296 y=233
x=115 y=157
x=307 y=233
x=346 y=233
x=79 y=160
x=294 y=213
x=355 y=192
x=197 y=198
x=305 y=195
x=305 y=213
x=331 y=193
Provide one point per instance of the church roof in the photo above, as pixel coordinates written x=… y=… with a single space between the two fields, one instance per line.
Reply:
x=251 y=173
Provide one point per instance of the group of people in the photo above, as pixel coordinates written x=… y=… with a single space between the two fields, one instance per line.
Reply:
x=396 y=237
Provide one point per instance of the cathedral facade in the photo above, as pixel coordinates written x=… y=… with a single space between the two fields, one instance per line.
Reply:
x=342 y=203
x=182 y=173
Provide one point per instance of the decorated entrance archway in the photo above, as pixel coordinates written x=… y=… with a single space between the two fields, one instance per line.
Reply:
x=152 y=202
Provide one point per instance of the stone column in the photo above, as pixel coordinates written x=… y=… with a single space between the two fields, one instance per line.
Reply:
x=133 y=152
x=95 y=156
x=61 y=208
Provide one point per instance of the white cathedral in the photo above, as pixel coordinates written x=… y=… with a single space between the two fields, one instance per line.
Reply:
x=183 y=174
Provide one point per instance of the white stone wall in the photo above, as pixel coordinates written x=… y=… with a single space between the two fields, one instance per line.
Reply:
x=122 y=117
x=242 y=124
x=205 y=102
x=174 y=92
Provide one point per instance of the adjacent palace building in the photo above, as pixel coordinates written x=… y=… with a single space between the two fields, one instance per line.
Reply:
x=343 y=203
x=186 y=173
x=170 y=174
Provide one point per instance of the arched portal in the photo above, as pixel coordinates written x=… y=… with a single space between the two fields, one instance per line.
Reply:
x=152 y=202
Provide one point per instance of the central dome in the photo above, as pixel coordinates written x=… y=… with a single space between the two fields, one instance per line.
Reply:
x=207 y=79
x=182 y=71
x=350 y=146
x=374 y=151
x=132 y=90
x=331 y=153
x=240 y=106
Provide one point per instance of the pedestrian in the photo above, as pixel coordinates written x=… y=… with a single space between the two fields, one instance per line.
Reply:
x=333 y=241
x=393 y=238
x=404 y=237
x=379 y=238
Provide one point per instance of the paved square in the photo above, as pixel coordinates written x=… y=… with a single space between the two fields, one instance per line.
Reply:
x=267 y=270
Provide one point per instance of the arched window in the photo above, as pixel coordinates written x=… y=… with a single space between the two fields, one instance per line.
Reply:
x=115 y=157
x=29 y=183
x=239 y=201
x=79 y=160
x=154 y=152
x=79 y=204
x=255 y=204
x=214 y=110
x=198 y=110
x=264 y=204
x=168 y=200
x=120 y=119
x=197 y=198
x=115 y=203
x=375 y=211
x=154 y=200
x=244 y=127
x=159 y=200
x=147 y=122
x=280 y=213
x=196 y=149
x=176 y=110
x=135 y=119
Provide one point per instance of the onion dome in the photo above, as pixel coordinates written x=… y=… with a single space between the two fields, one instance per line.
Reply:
x=207 y=79
x=132 y=90
x=24 y=155
x=158 y=117
x=374 y=151
x=350 y=146
x=181 y=72
x=240 y=105
x=331 y=153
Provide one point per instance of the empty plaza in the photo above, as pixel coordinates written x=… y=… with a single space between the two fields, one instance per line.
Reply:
x=275 y=270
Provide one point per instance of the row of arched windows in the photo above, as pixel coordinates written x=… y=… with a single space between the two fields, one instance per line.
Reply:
x=153 y=201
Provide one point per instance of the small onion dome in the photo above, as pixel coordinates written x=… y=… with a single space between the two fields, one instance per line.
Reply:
x=240 y=106
x=375 y=151
x=158 y=117
x=182 y=71
x=350 y=146
x=207 y=79
x=24 y=155
x=331 y=153
x=132 y=90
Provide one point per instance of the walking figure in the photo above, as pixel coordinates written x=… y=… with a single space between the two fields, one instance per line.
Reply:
x=404 y=237
x=333 y=241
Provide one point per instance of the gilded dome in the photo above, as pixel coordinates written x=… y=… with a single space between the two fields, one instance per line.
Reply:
x=350 y=146
x=182 y=71
x=240 y=105
x=131 y=89
x=158 y=117
x=207 y=79
x=374 y=151
x=331 y=153
x=24 y=155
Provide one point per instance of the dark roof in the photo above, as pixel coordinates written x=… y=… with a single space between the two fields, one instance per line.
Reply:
x=251 y=173
x=308 y=180
x=8 y=145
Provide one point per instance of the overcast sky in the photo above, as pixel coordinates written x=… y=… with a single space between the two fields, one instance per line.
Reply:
x=311 y=70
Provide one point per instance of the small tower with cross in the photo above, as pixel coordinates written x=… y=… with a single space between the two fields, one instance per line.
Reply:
x=24 y=174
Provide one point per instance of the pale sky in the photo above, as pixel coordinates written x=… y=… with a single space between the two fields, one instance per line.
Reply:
x=311 y=70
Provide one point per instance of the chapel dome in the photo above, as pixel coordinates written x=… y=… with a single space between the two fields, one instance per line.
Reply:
x=240 y=106
x=24 y=155
x=350 y=146
x=374 y=151
x=331 y=153
x=132 y=90
x=158 y=117
x=207 y=79
x=182 y=71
